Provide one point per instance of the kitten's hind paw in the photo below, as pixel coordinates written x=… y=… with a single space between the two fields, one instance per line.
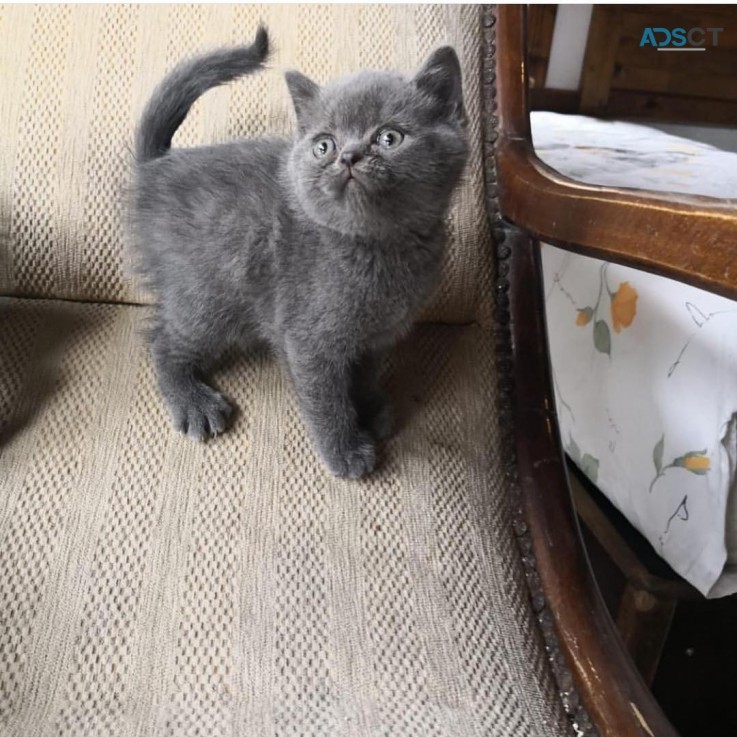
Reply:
x=356 y=457
x=203 y=413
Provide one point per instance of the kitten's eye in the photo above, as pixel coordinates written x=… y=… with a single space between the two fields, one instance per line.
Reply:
x=389 y=138
x=323 y=146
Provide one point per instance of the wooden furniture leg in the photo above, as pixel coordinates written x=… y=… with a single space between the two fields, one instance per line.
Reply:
x=643 y=621
x=641 y=590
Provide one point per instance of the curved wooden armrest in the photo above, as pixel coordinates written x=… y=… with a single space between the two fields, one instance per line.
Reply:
x=685 y=237
x=692 y=239
x=611 y=689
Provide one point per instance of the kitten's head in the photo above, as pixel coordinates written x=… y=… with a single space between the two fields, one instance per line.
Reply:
x=377 y=152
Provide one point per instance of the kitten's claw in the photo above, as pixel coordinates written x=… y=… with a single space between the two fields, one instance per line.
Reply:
x=204 y=413
x=356 y=459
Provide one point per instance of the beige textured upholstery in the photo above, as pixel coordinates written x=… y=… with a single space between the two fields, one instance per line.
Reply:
x=155 y=587
x=74 y=80
x=150 y=585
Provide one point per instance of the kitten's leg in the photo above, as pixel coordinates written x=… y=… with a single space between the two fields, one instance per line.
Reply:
x=323 y=387
x=374 y=412
x=196 y=409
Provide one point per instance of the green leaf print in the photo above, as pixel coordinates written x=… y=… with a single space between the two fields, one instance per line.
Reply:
x=695 y=461
x=602 y=337
x=658 y=454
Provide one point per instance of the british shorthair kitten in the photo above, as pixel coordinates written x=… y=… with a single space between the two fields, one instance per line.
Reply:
x=323 y=245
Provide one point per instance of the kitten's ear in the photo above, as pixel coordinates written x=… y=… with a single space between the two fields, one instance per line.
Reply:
x=440 y=77
x=305 y=96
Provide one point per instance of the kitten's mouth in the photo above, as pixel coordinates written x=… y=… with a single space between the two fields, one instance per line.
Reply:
x=346 y=183
x=349 y=179
x=348 y=175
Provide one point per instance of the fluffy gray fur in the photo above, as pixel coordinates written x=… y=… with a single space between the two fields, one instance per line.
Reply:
x=323 y=254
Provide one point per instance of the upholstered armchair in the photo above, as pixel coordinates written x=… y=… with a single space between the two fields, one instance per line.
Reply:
x=151 y=585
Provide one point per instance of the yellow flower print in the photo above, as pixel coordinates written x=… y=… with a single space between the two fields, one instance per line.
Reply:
x=624 y=307
x=623 y=304
x=696 y=462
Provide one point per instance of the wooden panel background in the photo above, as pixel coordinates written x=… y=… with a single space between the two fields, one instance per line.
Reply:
x=540 y=38
x=621 y=79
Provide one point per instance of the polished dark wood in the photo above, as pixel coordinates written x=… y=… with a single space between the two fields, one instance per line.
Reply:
x=560 y=101
x=685 y=237
x=541 y=23
x=614 y=693
x=610 y=687
x=600 y=56
x=663 y=107
x=621 y=78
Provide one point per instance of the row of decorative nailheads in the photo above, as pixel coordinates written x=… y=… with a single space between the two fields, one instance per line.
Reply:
x=577 y=714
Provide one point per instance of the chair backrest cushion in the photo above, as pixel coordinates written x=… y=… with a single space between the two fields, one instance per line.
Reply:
x=73 y=82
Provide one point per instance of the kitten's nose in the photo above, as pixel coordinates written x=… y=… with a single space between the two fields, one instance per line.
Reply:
x=350 y=156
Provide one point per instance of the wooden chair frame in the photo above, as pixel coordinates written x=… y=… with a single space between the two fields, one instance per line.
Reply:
x=692 y=239
x=685 y=237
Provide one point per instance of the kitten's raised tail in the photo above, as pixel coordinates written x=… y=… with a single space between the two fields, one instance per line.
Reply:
x=172 y=99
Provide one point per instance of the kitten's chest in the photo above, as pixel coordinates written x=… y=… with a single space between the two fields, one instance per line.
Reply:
x=382 y=290
x=357 y=293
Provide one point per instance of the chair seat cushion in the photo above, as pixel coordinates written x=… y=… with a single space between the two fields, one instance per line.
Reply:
x=150 y=585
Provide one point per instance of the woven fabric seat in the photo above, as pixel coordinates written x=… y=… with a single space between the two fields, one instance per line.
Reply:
x=153 y=586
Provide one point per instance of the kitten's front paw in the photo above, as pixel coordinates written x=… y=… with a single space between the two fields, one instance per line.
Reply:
x=356 y=457
x=202 y=413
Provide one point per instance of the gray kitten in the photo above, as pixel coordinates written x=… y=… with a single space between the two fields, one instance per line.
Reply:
x=323 y=246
